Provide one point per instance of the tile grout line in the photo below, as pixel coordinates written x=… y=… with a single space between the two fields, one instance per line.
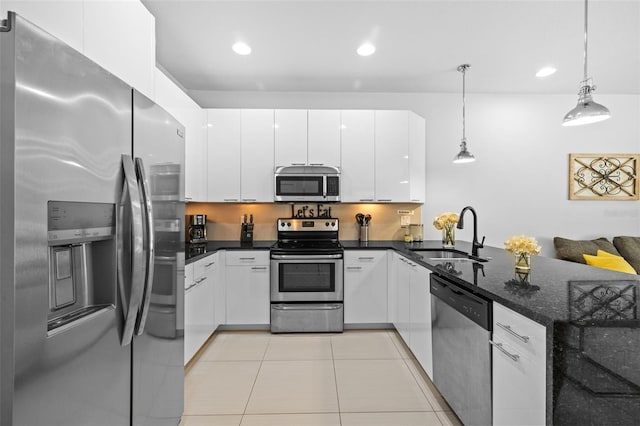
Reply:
x=335 y=379
x=244 y=412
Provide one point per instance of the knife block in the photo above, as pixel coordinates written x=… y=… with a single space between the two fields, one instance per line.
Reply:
x=246 y=233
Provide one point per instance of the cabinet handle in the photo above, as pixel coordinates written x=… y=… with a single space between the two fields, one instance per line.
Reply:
x=416 y=201
x=230 y=199
x=247 y=258
x=188 y=198
x=258 y=268
x=366 y=199
x=248 y=199
x=385 y=199
x=209 y=264
x=508 y=329
x=200 y=280
x=514 y=357
x=316 y=164
x=354 y=267
x=366 y=258
x=298 y=164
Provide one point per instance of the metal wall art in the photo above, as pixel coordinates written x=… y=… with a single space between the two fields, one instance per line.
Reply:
x=603 y=177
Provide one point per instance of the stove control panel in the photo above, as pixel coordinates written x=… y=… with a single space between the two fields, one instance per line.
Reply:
x=316 y=224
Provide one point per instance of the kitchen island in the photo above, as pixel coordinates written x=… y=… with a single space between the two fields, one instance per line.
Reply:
x=591 y=319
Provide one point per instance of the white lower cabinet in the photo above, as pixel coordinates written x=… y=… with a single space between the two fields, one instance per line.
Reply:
x=247 y=282
x=421 y=317
x=365 y=286
x=519 y=369
x=198 y=306
x=403 y=299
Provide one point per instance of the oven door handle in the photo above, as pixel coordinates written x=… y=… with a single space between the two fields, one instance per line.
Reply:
x=307 y=307
x=305 y=256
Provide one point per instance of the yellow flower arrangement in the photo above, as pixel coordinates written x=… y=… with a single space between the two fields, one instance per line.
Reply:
x=523 y=248
x=522 y=244
x=445 y=219
x=446 y=222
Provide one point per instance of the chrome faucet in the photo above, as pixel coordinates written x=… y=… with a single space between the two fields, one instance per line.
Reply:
x=475 y=245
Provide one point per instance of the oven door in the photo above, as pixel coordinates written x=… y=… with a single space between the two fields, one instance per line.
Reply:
x=307 y=278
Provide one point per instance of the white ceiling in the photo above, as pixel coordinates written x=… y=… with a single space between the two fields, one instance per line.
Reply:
x=309 y=45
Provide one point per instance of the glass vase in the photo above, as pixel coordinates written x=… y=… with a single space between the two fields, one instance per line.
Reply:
x=523 y=261
x=449 y=236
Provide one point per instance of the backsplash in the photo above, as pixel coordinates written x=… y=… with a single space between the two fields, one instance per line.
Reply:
x=223 y=219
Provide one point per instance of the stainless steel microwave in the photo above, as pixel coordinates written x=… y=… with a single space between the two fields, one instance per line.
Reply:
x=307 y=184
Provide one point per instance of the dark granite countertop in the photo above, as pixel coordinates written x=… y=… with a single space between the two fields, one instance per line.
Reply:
x=194 y=252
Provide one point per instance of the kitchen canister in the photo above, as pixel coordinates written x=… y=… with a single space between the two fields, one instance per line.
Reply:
x=364 y=233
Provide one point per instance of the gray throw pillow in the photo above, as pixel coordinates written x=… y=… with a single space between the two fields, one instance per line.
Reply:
x=573 y=250
x=629 y=248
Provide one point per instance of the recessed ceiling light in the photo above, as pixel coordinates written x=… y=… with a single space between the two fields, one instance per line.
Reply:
x=241 y=48
x=366 y=49
x=545 y=72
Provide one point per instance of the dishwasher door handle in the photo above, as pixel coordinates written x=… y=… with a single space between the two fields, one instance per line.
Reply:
x=514 y=357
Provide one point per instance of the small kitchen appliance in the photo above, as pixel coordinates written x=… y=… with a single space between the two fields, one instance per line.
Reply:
x=307 y=288
x=197 y=228
x=319 y=184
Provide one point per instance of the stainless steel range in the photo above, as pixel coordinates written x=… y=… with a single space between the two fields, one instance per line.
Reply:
x=307 y=288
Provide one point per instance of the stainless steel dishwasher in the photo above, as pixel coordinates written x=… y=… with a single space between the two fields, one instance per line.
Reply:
x=461 y=326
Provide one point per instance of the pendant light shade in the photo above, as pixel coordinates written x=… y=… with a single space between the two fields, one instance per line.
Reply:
x=464 y=156
x=587 y=111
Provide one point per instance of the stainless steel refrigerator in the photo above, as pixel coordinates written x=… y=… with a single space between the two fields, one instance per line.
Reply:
x=91 y=232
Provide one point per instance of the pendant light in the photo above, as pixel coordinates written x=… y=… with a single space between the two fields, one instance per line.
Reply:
x=587 y=111
x=464 y=156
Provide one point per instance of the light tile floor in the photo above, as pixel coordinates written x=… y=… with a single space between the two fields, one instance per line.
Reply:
x=355 y=378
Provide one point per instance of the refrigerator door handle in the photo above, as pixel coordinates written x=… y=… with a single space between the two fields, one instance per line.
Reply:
x=149 y=245
x=130 y=255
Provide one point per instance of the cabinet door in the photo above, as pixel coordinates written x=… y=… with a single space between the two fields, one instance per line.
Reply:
x=417 y=159
x=198 y=302
x=211 y=270
x=120 y=36
x=357 y=147
x=421 y=317
x=519 y=369
x=403 y=300
x=170 y=97
x=248 y=295
x=323 y=138
x=220 y=292
x=365 y=286
x=223 y=155
x=256 y=159
x=290 y=137
x=392 y=156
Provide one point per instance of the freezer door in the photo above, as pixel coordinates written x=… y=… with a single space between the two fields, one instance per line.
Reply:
x=71 y=123
x=158 y=371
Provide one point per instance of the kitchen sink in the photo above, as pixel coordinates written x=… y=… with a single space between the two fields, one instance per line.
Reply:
x=443 y=255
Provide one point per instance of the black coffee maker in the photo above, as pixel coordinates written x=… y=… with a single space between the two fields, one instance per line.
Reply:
x=197 y=228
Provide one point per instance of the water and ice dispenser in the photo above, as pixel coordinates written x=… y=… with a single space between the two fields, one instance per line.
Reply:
x=82 y=261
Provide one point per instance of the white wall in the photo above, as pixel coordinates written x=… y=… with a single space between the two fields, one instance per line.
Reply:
x=519 y=185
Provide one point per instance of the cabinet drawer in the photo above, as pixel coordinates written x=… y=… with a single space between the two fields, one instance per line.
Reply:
x=247 y=257
x=363 y=257
x=525 y=337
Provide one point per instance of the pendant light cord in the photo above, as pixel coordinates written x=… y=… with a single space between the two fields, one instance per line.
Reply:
x=463 y=69
x=586 y=19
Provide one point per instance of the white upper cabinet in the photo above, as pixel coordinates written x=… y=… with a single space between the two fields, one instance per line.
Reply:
x=223 y=154
x=169 y=96
x=290 y=137
x=256 y=163
x=120 y=36
x=323 y=144
x=358 y=165
x=417 y=158
x=392 y=156
x=307 y=137
x=62 y=19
